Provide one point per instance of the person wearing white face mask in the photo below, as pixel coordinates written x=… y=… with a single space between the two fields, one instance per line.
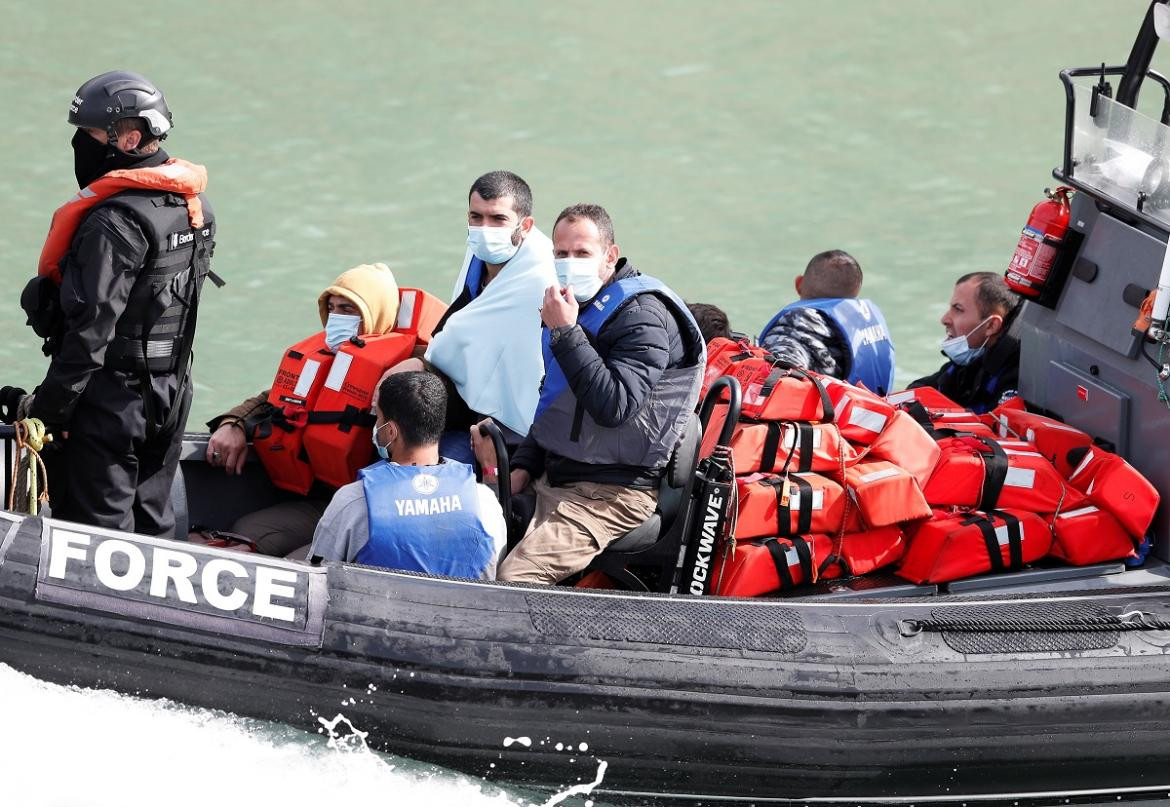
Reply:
x=623 y=362
x=414 y=510
x=362 y=300
x=983 y=364
x=487 y=346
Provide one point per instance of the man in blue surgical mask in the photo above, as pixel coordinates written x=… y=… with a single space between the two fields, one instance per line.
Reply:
x=486 y=348
x=983 y=364
x=623 y=362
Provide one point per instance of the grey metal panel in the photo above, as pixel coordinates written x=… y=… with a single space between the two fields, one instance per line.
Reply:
x=1058 y=338
x=1123 y=255
x=1090 y=404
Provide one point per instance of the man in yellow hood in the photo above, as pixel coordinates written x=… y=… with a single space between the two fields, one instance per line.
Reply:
x=362 y=301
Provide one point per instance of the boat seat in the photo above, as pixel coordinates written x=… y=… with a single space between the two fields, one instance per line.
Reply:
x=655 y=542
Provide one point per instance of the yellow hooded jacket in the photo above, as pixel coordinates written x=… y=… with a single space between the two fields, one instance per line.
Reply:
x=372 y=288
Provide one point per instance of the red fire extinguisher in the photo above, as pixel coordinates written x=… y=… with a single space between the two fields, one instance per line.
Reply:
x=1039 y=244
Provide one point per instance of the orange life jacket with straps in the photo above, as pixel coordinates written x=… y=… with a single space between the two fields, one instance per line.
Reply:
x=321 y=419
x=763 y=565
x=952 y=546
x=174 y=176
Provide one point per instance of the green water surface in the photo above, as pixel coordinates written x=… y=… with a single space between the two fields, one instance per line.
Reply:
x=730 y=141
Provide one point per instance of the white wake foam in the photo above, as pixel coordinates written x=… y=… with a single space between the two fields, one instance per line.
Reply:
x=61 y=747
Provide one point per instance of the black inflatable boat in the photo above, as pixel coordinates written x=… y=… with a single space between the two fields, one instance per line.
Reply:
x=837 y=696
x=1050 y=685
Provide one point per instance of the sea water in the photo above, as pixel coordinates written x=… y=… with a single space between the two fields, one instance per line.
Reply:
x=63 y=746
x=730 y=142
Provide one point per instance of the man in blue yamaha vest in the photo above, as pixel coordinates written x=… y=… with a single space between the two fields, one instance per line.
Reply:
x=623 y=366
x=830 y=331
x=983 y=367
x=413 y=510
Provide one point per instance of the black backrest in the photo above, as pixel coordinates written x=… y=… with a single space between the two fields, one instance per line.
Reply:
x=679 y=471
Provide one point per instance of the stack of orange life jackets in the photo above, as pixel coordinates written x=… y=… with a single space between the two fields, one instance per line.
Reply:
x=815 y=500
x=1012 y=487
x=835 y=481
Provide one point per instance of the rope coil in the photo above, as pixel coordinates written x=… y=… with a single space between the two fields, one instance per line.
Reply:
x=29 y=488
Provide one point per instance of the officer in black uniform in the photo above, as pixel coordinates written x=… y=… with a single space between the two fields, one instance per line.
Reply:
x=119 y=326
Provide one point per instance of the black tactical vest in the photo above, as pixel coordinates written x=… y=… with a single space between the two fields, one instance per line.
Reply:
x=156 y=328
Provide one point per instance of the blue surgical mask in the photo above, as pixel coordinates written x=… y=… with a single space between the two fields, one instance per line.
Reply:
x=959 y=350
x=383 y=451
x=492 y=244
x=581 y=274
x=339 y=328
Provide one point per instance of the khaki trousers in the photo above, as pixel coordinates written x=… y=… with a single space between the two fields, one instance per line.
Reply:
x=282 y=528
x=572 y=525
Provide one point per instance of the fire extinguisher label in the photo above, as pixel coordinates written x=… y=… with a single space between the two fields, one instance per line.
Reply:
x=1030 y=241
x=1033 y=258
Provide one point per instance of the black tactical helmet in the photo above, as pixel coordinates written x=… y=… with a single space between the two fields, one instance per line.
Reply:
x=120 y=94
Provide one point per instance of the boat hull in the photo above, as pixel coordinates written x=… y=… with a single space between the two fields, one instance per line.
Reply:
x=749 y=699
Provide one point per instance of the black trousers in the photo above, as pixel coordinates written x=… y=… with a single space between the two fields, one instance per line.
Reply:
x=110 y=472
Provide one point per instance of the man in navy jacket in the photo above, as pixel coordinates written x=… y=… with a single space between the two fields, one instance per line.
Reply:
x=623 y=367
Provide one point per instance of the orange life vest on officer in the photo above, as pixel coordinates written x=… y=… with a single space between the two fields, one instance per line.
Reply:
x=321 y=420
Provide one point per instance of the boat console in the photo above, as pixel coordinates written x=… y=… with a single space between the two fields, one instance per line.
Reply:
x=1083 y=359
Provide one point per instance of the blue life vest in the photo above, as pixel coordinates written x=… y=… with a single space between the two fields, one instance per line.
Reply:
x=474 y=278
x=865 y=330
x=562 y=426
x=425 y=518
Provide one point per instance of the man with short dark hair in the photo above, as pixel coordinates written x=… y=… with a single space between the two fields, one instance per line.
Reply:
x=829 y=330
x=711 y=319
x=115 y=298
x=487 y=346
x=413 y=510
x=623 y=364
x=983 y=359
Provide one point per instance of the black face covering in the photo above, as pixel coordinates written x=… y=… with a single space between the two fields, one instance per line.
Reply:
x=92 y=159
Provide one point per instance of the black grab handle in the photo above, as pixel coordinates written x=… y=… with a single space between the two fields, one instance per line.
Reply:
x=734 y=402
x=503 y=480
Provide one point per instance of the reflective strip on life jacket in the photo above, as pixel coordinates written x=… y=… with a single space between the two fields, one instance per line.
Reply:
x=418 y=313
